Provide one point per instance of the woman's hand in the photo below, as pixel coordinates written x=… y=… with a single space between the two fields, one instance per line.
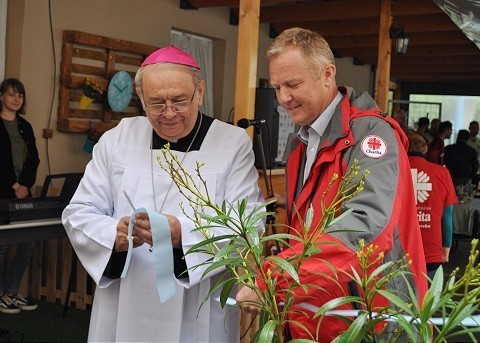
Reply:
x=445 y=254
x=20 y=190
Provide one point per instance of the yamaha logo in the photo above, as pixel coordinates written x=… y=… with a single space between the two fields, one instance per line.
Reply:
x=25 y=206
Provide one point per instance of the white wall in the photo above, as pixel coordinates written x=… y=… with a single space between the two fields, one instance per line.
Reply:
x=358 y=77
x=3 y=32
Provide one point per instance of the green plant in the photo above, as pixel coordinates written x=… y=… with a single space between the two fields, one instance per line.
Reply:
x=241 y=251
x=452 y=304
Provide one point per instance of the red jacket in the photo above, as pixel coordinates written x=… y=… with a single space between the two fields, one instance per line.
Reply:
x=384 y=210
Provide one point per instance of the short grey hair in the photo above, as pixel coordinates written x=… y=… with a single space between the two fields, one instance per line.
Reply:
x=196 y=73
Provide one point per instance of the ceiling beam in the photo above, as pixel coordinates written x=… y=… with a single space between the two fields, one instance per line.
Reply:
x=340 y=27
x=319 y=11
x=351 y=9
x=431 y=68
x=424 y=51
x=426 y=23
x=438 y=51
x=228 y=3
x=432 y=60
x=403 y=7
x=421 y=39
x=443 y=77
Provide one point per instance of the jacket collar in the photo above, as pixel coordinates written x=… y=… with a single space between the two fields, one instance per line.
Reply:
x=349 y=107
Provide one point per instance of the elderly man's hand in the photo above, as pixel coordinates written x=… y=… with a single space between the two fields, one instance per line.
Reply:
x=143 y=227
x=121 y=242
x=248 y=300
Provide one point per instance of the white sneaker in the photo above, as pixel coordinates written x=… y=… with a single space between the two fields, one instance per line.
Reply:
x=24 y=304
x=7 y=305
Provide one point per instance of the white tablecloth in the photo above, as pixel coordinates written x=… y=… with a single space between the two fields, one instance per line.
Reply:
x=465 y=217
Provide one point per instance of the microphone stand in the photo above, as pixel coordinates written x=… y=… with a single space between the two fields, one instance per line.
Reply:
x=270 y=207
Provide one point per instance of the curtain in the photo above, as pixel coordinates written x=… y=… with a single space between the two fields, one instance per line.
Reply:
x=200 y=49
x=3 y=35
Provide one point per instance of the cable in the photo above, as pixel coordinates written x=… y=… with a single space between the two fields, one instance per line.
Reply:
x=54 y=84
x=270 y=208
x=270 y=162
x=230 y=115
x=268 y=149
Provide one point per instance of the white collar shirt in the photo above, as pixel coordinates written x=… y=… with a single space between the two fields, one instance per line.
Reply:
x=311 y=135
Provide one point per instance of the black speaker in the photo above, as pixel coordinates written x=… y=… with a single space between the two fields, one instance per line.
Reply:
x=266 y=108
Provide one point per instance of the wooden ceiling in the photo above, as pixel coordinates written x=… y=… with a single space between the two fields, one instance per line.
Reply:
x=438 y=51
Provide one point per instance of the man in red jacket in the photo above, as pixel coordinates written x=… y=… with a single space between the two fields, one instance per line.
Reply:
x=338 y=128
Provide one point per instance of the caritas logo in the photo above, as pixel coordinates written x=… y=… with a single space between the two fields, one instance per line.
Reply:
x=374 y=146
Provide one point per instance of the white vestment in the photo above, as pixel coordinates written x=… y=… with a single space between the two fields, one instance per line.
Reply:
x=129 y=309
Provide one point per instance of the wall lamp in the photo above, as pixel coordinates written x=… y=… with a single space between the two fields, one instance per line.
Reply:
x=401 y=39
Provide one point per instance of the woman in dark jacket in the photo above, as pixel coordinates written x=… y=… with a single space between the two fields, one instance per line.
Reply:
x=19 y=159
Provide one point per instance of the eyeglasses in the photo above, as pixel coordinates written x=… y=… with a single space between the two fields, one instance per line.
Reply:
x=177 y=107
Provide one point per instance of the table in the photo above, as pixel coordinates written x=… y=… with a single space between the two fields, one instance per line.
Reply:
x=32 y=230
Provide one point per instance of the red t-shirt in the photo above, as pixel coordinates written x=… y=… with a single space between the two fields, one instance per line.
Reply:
x=434 y=190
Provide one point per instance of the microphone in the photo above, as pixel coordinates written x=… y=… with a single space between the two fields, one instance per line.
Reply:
x=244 y=122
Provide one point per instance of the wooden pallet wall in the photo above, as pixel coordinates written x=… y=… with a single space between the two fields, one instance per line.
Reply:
x=55 y=275
x=98 y=58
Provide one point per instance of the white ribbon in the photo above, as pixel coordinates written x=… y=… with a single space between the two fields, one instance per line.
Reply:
x=163 y=253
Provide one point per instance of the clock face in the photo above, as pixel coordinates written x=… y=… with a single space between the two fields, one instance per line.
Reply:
x=120 y=90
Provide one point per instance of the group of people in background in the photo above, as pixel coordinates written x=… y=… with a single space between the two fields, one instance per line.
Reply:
x=460 y=158
x=437 y=172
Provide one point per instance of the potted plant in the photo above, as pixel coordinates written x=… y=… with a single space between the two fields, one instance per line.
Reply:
x=90 y=91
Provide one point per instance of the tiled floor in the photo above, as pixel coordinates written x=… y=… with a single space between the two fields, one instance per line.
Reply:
x=45 y=324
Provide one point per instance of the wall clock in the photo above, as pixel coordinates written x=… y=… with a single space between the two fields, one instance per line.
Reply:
x=120 y=90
